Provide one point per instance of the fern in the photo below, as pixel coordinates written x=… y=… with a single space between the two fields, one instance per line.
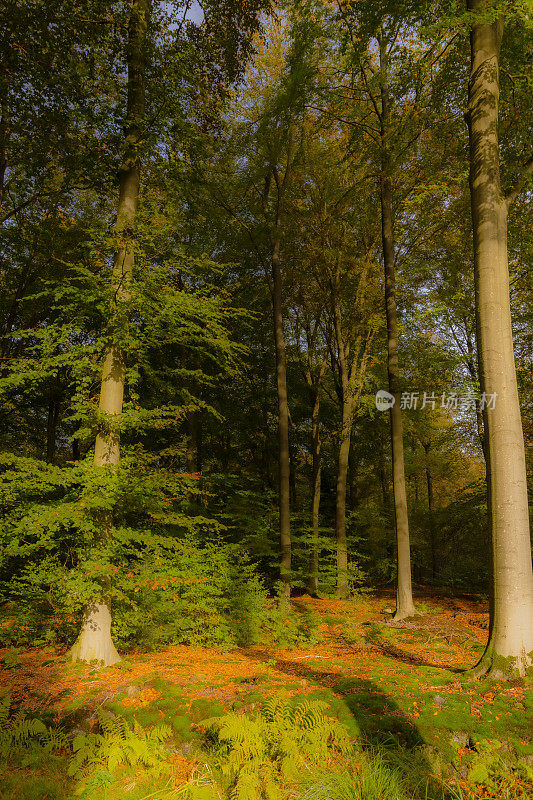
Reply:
x=257 y=753
x=97 y=756
x=17 y=730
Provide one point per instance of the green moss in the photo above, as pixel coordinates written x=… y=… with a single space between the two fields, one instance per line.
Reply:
x=124 y=665
x=253 y=697
x=35 y=775
x=166 y=688
x=181 y=725
x=147 y=716
x=79 y=702
x=203 y=708
x=33 y=787
x=117 y=708
x=171 y=706
x=523 y=749
x=320 y=694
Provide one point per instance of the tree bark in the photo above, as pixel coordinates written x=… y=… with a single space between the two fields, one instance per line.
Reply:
x=510 y=647
x=351 y=366
x=352 y=472
x=432 y=534
x=313 y=377
x=283 y=421
x=94 y=642
x=384 y=480
x=348 y=408
x=4 y=133
x=316 y=477
x=482 y=435
x=404 y=597
x=292 y=475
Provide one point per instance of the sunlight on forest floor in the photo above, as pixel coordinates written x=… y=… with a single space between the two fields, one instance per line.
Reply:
x=396 y=687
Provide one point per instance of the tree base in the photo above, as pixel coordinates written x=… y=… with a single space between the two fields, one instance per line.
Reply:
x=496 y=667
x=404 y=613
x=94 y=644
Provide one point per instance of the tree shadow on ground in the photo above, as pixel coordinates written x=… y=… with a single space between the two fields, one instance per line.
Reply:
x=32 y=680
x=380 y=723
x=393 y=651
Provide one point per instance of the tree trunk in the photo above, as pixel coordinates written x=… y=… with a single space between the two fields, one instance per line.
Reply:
x=432 y=536
x=348 y=408
x=94 y=642
x=51 y=427
x=384 y=480
x=404 y=597
x=266 y=475
x=482 y=435
x=352 y=472
x=283 y=423
x=4 y=132
x=316 y=477
x=510 y=647
x=292 y=475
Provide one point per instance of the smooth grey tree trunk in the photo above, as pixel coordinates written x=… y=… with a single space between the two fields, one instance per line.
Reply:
x=95 y=642
x=510 y=647
x=404 y=596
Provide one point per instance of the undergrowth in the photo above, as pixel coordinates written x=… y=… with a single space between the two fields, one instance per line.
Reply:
x=258 y=754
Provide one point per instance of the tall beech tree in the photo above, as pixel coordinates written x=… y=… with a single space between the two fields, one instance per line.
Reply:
x=273 y=107
x=309 y=335
x=94 y=641
x=378 y=28
x=280 y=182
x=351 y=342
x=396 y=70
x=510 y=646
x=404 y=594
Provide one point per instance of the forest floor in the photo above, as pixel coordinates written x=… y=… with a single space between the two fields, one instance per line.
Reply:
x=398 y=688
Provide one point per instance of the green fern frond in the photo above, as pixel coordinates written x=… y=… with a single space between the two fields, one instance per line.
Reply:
x=275 y=745
x=97 y=756
x=17 y=730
